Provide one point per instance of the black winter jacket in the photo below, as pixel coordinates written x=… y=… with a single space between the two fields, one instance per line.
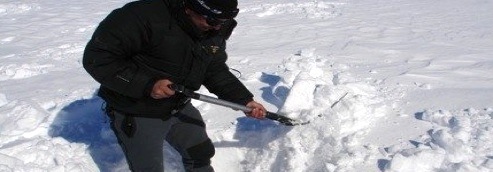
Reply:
x=148 y=40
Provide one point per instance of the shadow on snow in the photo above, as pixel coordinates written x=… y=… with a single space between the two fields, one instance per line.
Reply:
x=253 y=133
x=273 y=94
x=84 y=121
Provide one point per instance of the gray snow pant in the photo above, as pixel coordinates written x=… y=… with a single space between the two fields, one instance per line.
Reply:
x=142 y=140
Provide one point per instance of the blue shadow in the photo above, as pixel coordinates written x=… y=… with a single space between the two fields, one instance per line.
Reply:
x=272 y=94
x=255 y=133
x=83 y=121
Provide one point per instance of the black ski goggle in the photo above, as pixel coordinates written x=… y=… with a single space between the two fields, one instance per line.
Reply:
x=212 y=21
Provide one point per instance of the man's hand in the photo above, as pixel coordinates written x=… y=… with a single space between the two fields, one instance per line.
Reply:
x=161 y=89
x=258 y=110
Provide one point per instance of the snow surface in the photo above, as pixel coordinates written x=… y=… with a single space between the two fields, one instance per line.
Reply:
x=387 y=85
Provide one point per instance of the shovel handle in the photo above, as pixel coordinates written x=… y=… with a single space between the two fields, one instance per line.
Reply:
x=269 y=115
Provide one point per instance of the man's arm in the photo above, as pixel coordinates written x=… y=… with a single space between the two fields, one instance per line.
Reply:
x=108 y=55
x=221 y=82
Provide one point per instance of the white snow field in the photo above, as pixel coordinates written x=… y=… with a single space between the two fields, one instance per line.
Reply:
x=386 y=85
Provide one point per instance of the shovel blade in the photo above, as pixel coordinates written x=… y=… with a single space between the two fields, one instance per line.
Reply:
x=284 y=120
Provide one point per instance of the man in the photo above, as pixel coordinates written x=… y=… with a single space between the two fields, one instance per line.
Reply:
x=139 y=50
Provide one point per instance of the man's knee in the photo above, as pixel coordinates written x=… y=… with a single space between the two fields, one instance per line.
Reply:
x=200 y=154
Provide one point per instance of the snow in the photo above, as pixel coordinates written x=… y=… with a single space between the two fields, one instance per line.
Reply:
x=386 y=85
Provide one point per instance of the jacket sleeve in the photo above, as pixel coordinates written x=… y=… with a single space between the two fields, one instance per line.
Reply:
x=220 y=81
x=108 y=55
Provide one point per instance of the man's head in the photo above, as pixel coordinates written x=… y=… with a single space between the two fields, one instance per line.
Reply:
x=211 y=14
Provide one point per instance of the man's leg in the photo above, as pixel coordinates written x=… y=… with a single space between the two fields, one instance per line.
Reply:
x=188 y=136
x=141 y=140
